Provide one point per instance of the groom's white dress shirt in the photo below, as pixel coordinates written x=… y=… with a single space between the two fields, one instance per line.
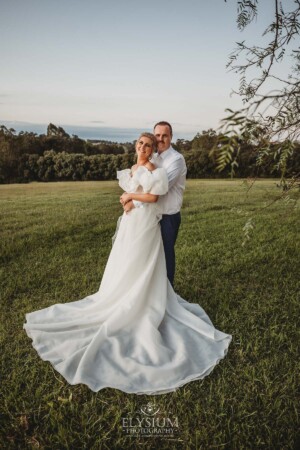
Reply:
x=174 y=164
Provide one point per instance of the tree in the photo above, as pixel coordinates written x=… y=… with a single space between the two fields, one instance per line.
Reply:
x=9 y=154
x=270 y=118
x=53 y=130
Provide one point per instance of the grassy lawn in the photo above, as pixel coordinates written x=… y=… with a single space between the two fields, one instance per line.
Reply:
x=55 y=240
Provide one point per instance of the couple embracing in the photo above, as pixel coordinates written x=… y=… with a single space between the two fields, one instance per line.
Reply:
x=169 y=204
x=135 y=333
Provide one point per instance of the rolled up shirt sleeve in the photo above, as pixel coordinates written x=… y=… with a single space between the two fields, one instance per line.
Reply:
x=137 y=204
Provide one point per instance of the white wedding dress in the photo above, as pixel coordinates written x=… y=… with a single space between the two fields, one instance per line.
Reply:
x=135 y=333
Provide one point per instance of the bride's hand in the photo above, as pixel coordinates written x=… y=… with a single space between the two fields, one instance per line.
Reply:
x=125 y=198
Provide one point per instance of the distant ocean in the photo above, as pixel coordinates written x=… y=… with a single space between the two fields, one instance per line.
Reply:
x=101 y=133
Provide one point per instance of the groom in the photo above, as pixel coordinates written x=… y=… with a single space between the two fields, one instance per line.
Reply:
x=169 y=204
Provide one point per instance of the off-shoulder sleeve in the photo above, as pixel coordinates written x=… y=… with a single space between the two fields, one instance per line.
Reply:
x=155 y=182
x=126 y=182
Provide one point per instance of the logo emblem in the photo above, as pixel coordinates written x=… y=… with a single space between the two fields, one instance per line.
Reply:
x=150 y=409
x=149 y=421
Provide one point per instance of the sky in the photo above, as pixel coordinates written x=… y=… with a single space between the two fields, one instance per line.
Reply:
x=110 y=64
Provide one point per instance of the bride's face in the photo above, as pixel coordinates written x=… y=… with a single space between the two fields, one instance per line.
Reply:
x=144 y=147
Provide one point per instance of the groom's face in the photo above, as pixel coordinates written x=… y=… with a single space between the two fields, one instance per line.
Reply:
x=163 y=137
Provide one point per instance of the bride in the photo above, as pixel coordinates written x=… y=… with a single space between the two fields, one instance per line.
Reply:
x=135 y=333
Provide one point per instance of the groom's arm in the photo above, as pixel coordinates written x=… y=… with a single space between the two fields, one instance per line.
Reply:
x=134 y=203
x=175 y=170
x=137 y=203
x=129 y=206
x=143 y=197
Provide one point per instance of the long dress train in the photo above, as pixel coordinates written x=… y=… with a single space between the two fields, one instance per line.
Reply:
x=135 y=333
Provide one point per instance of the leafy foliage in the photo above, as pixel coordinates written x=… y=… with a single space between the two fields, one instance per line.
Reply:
x=270 y=116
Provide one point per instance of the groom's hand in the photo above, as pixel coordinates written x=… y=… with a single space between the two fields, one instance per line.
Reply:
x=128 y=206
x=125 y=198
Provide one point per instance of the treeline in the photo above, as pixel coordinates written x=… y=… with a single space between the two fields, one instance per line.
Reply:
x=56 y=156
x=62 y=166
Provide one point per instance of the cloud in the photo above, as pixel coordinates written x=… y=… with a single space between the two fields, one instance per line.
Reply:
x=4 y=97
x=96 y=121
x=17 y=122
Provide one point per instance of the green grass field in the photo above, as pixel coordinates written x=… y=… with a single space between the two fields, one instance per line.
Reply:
x=55 y=240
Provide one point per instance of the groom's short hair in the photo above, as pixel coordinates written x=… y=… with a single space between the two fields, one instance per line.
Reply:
x=164 y=123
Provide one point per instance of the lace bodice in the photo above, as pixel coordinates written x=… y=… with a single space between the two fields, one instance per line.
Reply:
x=143 y=180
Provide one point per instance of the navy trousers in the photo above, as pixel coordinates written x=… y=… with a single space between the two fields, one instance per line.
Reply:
x=170 y=224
